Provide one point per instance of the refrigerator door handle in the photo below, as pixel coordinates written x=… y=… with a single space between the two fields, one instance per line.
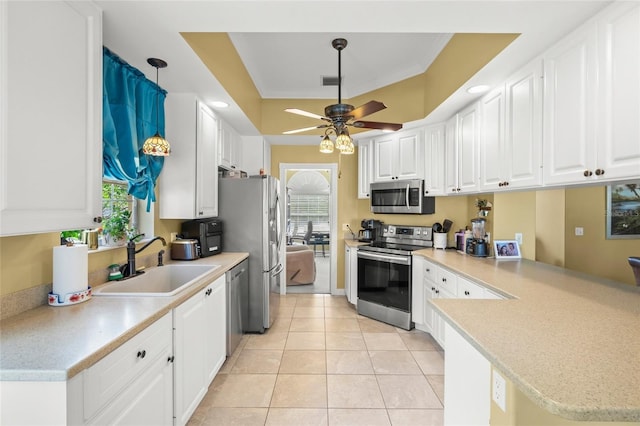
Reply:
x=278 y=225
x=278 y=269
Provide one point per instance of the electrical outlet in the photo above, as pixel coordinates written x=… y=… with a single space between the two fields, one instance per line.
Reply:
x=345 y=226
x=174 y=236
x=499 y=391
x=579 y=231
x=519 y=238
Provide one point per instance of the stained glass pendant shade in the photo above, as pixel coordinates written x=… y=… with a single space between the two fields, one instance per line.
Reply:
x=156 y=144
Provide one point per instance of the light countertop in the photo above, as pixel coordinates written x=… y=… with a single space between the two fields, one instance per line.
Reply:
x=54 y=343
x=569 y=341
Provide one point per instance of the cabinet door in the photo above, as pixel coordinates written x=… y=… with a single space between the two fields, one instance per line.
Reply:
x=451 y=156
x=364 y=168
x=206 y=172
x=523 y=137
x=429 y=293
x=468 y=133
x=569 y=102
x=147 y=401
x=492 y=164
x=385 y=159
x=618 y=140
x=51 y=120
x=224 y=148
x=409 y=156
x=434 y=160
x=189 y=347
x=469 y=290
x=215 y=328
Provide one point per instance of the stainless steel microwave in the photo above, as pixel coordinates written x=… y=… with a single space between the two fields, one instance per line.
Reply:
x=401 y=197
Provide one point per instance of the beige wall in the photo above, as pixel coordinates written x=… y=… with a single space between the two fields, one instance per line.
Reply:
x=547 y=219
x=27 y=260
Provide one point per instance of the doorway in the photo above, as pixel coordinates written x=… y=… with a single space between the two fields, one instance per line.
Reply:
x=310 y=224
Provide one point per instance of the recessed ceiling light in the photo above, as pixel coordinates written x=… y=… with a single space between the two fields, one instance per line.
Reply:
x=481 y=88
x=219 y=104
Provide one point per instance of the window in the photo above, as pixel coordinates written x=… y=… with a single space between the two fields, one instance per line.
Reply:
x=116 y=198
x=305 y=208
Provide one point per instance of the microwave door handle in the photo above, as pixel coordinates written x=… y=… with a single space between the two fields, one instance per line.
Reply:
x=406 y=196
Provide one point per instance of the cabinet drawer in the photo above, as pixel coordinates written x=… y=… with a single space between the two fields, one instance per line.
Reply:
x=447 y=281
x=469 y=290
x=429 y=271
x=112 y=374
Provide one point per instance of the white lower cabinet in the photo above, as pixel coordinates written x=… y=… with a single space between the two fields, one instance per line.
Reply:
x=134 y=383
x=431 y=281
x=351 y=274
x=467 y=387
x=200 y=347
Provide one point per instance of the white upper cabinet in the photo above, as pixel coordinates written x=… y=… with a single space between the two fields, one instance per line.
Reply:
x=256 y=155
x=493 y=169
x=523 y=134
x=511 y=135
x=398 y=156
x=188 y=184
x=592 y=100
x=569 y=107
x=461 y=151
x=434 y=160
x=618 y=136
x=229 y=147
x=364 y=167
x=51 y=117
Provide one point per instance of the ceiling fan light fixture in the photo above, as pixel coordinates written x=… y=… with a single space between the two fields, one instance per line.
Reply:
x=348 y=149
x=326 y=145
x=157 y=145
x=343 y=139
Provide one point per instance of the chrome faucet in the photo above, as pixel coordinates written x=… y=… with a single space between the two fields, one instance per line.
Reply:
x=130 y=269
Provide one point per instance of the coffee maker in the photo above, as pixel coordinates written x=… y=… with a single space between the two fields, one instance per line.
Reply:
x=371 y=229
x=477 y=245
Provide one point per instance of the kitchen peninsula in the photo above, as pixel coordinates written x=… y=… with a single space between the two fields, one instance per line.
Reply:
x=568 y=341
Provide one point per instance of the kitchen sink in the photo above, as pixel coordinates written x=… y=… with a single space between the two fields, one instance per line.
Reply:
x=164 y=281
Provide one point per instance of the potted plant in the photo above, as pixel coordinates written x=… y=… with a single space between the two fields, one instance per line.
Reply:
x=483 y=206
x=116 y=228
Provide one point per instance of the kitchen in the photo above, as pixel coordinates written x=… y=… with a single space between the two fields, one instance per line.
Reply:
x=26 y=260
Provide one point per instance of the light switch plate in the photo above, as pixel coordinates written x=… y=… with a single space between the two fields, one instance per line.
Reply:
x=499 y=391
x=579 y=231
x=519 y=238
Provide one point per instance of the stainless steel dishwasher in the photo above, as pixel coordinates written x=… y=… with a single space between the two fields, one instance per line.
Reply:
x=237 y=297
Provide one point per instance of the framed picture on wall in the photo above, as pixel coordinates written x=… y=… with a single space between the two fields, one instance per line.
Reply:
x=506 y=249
x=623 y=210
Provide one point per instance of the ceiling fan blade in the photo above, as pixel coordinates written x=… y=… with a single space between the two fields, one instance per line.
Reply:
x=377 y=125
x=366 y=109
x=291 y=132
x=306 y=113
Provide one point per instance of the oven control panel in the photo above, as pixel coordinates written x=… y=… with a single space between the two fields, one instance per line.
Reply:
x=420 y=233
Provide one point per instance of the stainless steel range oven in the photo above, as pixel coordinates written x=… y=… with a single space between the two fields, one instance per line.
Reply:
x=384 y=274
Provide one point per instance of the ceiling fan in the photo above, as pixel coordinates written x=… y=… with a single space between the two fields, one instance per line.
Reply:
x=338 y=116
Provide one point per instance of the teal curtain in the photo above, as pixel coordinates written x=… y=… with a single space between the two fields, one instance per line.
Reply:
x=129 y=104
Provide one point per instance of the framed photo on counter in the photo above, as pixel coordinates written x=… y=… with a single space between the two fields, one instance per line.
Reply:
x=506 y=249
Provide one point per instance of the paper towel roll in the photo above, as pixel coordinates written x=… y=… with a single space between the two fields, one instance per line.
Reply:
x=70 y=269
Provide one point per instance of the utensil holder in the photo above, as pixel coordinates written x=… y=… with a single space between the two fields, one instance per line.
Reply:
x=439 y=240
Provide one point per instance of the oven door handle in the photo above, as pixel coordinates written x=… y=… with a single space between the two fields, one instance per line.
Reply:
x=401 y=260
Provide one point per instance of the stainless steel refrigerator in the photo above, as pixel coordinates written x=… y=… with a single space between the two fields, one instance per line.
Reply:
x=250 y=213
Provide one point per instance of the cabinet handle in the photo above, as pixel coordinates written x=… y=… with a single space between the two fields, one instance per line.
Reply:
x=97 y=219
x=433 y=289
x=500 y=184
x=444 y=280
x=200 y=213
x=142 y=354
x=367 y=194
x=208 y=292
x=466 y=292
x=506 y=183
x=587 y=173
x=170 y=359
x=599 y=172
x=428 y=270
x=458 y=189
x=437 y=291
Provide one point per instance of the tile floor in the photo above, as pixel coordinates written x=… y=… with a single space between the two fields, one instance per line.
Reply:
x=323 y=364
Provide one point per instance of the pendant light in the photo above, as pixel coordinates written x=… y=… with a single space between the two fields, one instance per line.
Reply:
x=156 y=144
